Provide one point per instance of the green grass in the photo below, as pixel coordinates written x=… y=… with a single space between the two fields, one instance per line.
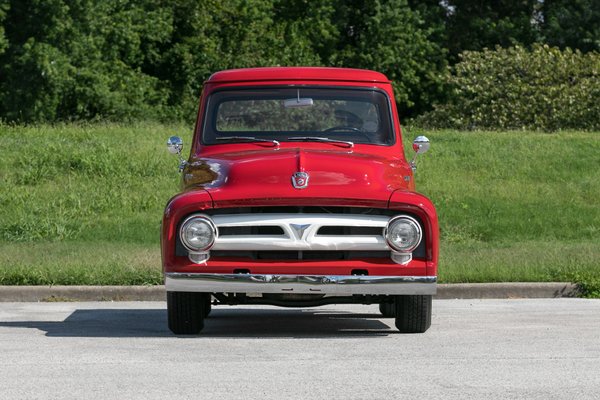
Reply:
x=82 y=204
x=85 y=183
x=516 y=206
x=79 y=263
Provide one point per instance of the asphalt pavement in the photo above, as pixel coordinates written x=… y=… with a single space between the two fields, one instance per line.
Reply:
x=475 y=349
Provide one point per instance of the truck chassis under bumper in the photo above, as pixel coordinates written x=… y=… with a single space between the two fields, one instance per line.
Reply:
x=301 y=284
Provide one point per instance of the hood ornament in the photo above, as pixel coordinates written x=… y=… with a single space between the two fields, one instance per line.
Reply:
x=300 y=180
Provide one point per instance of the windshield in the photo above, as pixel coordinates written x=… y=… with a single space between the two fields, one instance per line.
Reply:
x=355 y=115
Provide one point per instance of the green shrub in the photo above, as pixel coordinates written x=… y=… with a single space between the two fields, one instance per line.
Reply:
x=514 y=88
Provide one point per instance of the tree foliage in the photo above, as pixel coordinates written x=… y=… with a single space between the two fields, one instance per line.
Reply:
x=147 y=59
x=80 y=60
x=124 y=59
x=475 y=24
x=389 y=37
x=571 y=23
x=3 y=8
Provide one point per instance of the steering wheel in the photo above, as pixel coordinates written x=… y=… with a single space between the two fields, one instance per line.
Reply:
x=348 y=128
x=343 y=128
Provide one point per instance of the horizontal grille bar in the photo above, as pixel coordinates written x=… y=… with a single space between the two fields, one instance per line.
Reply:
x=302 y=255
x=250 y=230
x=349 y=230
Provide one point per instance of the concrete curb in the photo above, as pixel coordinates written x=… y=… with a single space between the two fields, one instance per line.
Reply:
x=157 y=293
x=508 y=290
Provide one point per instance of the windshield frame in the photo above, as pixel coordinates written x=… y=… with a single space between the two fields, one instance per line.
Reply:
x=212 y=118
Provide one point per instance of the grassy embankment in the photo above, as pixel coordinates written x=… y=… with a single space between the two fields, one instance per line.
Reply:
x=82 y=204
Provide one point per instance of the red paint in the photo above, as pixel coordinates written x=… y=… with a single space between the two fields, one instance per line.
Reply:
x=274 y=74
x=259 y=174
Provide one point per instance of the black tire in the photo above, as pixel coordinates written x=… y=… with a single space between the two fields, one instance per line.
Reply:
x=387 y=310
x=186 y=312
x=207 y=306
x=413 y=313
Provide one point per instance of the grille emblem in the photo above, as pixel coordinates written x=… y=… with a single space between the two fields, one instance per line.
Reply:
x=299 y=229
x=300 y=180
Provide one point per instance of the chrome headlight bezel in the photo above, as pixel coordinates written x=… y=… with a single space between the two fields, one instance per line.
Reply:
x=413 y=223
x=187 y=223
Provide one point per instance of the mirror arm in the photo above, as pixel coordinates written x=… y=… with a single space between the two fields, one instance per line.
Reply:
x=413 y=164
x=182 y=161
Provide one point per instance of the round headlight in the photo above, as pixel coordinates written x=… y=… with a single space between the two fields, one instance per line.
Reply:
x=198 y=233
x=403 y=234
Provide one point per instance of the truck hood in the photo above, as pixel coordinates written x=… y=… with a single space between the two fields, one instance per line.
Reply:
x=267 y=173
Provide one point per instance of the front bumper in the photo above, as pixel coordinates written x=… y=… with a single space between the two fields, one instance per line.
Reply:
x=301 y=284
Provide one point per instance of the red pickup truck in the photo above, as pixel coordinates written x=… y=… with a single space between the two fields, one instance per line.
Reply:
x=297 y=193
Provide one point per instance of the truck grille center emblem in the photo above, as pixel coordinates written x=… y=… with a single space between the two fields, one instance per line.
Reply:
x=300 y=180
x=299 y=229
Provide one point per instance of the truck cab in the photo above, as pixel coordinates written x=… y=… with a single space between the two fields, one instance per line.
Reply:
x=297 y=193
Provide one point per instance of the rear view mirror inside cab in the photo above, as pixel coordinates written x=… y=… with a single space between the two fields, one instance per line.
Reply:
x=298 y=102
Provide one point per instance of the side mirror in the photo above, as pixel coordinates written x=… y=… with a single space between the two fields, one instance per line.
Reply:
x=175 y=146
x=420 y=146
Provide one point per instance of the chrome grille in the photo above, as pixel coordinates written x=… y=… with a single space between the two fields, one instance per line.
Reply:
x=297 y=232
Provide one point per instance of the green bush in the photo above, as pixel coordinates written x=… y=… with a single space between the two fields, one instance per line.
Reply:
x=542 y=89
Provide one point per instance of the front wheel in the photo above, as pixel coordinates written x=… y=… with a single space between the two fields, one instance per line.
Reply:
x=186 y=312
x=207 y=306
x=413 y=313
x=387 y=310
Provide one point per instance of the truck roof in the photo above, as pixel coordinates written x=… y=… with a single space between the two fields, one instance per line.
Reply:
x=297 y=73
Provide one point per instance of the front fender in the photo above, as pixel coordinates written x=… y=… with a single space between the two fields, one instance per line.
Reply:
x=422 y=207
x=178 y=207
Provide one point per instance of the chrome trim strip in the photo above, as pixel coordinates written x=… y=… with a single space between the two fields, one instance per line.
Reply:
x=306 y=284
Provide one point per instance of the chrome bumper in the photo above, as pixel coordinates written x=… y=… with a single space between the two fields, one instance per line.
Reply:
x=306 y=284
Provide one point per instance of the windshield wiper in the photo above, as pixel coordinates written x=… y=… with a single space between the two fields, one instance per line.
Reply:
x=320 y=139
x=246 y=139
